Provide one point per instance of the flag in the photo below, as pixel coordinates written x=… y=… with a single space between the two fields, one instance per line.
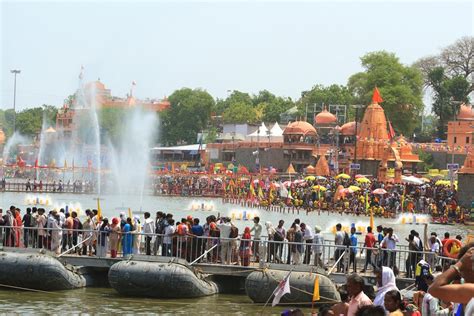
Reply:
x=316 y=296
x=366 y=201
x=282 y=289
x=252 y=189
x=36 y=163
x=130 y=213
x=372 y=219
x=99 y=210
x=376 y=97
x=260 y=192
x=391 y=131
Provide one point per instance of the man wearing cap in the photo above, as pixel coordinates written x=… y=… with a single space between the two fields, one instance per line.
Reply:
x=318 y=242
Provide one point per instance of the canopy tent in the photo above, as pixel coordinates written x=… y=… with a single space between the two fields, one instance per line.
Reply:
x=274 y=134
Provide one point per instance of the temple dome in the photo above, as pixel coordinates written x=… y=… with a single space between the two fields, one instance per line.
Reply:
x=466 y=112
x=348 y=129
x=325 y=117
x=300 y=128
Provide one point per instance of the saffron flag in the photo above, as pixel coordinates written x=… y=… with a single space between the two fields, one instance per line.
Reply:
x=99 y=210
x=391 y=131
x=252 y=189
x=130 y=213
x=316 y=296
x=282 y=289
x=260 y=193
x=376 y=97
x=36 y=163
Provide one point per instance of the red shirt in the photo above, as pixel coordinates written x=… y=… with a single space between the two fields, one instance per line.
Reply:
x=369 y=240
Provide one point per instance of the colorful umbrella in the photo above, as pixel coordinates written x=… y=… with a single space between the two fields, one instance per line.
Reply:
x=363 y=180
x=310 y=178
x=343 y=176
x=379 y=191
x=353 y=188
x=319 y=187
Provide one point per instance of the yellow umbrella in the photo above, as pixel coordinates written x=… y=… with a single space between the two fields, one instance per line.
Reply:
x=363 y=180
x=343 y=176
x=319 y=187
x=310 y=178
x=353 y=188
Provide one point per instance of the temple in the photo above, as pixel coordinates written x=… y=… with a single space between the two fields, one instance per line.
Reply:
x=460 y=131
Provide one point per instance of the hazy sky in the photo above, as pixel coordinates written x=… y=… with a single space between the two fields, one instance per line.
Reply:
x=285 y=47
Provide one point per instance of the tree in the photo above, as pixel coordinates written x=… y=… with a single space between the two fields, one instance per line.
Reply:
x=30 y=121
x=445 y=91
x=321 y=95
x=235 y=97
x=240 y=112
x=188 y=115
x=400 y=87
x=457 y=60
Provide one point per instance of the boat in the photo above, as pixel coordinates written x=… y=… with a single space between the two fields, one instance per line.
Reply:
x=260 y=285
x=37 y=271
x=159 y=280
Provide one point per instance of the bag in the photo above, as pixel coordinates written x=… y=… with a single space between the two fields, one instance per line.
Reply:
x=234 y=232
x=277 y=236
x=347 y=240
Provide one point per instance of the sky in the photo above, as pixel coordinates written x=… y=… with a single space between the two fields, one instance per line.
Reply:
x=285 y=47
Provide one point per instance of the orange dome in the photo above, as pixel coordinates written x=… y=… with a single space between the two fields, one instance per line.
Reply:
x=348 y=129
x=466 y=112
x=325 y=117
x=2 y=137
x=300 y=128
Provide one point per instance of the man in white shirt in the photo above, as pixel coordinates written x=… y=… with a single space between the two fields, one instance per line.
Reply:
x=224 y=228
x=257 y=230
x=308 y=239
x=318 y=242
x=338 y=241
x=149 y=231
x=389 y=243
x=168 y=239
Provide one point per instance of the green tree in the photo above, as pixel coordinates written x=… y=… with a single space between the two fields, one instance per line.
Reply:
x=401 y=88
x=321 y=95
x=235 y=97
x=445 y=90
x=30 y=121
x=240 y=112
x=188 y=115
x=111 y=122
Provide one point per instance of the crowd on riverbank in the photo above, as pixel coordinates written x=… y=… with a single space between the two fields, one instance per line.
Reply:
x=343 y=194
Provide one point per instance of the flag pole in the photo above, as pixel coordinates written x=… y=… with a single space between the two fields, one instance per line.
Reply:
x=269 y=298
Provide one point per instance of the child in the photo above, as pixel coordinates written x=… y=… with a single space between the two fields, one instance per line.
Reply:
x=393 y=303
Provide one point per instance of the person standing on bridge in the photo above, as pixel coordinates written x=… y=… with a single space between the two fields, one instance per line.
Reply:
x=257 y=230
x=148 y=230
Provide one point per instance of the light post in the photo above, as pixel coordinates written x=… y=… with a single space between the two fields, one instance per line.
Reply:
x=357 y=107
x=14 y=72
x=455 y=105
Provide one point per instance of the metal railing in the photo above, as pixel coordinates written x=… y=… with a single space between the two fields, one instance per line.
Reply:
x=215 y=250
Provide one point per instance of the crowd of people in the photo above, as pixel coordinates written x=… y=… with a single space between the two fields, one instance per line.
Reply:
x=358 y=195
x=218 y=240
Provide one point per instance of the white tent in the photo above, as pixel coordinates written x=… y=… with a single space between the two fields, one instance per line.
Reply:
x=275 y=134
x=260 y=132
x=276 y=130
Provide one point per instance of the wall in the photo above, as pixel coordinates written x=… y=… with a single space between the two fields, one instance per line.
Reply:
x=465 y=191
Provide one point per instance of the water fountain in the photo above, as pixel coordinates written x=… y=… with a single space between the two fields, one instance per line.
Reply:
x=120 y=166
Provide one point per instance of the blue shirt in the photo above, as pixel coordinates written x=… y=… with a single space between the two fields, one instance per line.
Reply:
x=197 y=230
x=354 y=243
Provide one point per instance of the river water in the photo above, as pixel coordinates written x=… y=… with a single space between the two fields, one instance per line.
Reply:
x=107 y=301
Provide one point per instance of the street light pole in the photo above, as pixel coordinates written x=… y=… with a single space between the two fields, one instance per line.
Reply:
x=357 y=107
x=14 y=72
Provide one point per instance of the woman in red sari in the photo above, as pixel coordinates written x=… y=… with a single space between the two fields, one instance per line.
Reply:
x=245 y=248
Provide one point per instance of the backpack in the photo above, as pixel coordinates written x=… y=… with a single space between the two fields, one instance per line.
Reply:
x=234 y=232
x=347 y=240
